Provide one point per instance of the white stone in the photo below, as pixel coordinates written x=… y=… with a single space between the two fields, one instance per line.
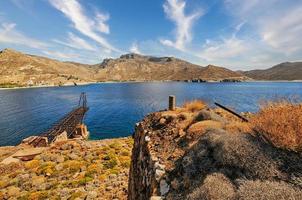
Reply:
x=156 y=198
x=164 y=187
x=159 y=166
x=158 y=174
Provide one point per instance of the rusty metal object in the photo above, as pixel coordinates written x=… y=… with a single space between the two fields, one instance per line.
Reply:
x=68 y=123
x=232 y=112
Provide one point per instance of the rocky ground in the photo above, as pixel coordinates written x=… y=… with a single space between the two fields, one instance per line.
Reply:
x=198 y=153
x=73 y=169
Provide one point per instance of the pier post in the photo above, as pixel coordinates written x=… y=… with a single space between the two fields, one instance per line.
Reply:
x=171 y=102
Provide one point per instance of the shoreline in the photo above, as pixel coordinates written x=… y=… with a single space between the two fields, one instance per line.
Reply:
x=155 y=81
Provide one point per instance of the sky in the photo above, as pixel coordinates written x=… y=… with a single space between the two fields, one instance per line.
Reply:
x=238 y=34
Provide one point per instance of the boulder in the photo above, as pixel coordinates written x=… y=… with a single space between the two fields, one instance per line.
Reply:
x=206 y=114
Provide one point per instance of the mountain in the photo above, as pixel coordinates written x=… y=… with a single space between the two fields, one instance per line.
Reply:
x=134 y=67
x=283 y=71
x=23 y=69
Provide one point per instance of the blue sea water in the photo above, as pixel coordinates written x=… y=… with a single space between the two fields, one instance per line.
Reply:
x=116 y=107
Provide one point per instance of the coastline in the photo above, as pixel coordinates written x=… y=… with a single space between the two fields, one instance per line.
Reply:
x=154 y=81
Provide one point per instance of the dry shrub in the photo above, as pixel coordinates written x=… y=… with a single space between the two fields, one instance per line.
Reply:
x=238 y=127
x=202 y=126
x=223 y=113
x=215 y=186
x=195 y=105
x=281 y=124
x=251 y=190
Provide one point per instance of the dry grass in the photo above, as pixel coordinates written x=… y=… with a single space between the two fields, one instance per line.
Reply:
x=195 y=105
x=251 y=190
x=215 y=186
x=202 y=126
x=281 y=124
x=238 y=127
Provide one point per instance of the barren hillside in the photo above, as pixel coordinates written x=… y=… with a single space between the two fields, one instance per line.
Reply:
x=283 y=71
x=23 y=69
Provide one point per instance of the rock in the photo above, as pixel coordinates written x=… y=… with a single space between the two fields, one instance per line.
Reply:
x=109 y=188
x=159 y=166
x=61 y=137
x=156 y=198
x=164 y=187
x=38 y=180
x=175 y=184
x=209 y=115
x=158 y=174
x=13 y=191
x=112 y=176
x=73 y=156
x=162 y=121
x=66 y=146
x=9 y=160
x=59 y=159
x=147 y=138
x=59 y=167
x=64 y=193
x=23 y=177
x=92 y=195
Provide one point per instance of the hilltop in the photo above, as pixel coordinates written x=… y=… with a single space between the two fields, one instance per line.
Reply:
x=283 y=71
x=21 y=69
x=134 y=67
x=24 y=69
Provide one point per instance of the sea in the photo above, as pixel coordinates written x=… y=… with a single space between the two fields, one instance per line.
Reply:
x=114 y=108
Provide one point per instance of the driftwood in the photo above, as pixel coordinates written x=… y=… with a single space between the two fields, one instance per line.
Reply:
x=232 y=112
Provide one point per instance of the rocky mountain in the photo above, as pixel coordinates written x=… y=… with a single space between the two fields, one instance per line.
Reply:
x=283 y=71
x=134 y=67
x=23 y=69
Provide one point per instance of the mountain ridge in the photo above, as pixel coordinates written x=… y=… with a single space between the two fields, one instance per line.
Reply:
x=25 y=69
x=283 y=71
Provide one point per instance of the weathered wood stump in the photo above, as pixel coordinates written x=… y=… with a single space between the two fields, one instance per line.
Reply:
x=172 y=102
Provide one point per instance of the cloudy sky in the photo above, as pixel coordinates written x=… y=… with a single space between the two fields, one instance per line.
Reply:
x=238 y=34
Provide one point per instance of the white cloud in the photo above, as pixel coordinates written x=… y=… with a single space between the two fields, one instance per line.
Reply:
x=284 y=33
x=59 y=55
x=225 y=49
x=92 y=28
x=101 y=25
x=134 y=48
x=76 y=42
x=277 y=22
x=9 y=34
x=175 y=11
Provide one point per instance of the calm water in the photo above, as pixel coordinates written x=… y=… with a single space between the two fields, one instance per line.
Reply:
x=116 y=107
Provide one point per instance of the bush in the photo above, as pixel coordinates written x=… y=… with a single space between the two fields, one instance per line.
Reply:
x=110 y=161
x=194 y=105
x=268 y=190
x=281 y=124
x=202 y=126
x=238 y=127
x=215 y=186
x=125 y=161
x=32 y=164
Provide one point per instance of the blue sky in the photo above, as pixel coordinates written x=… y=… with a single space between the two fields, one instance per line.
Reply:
x=238 y=34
